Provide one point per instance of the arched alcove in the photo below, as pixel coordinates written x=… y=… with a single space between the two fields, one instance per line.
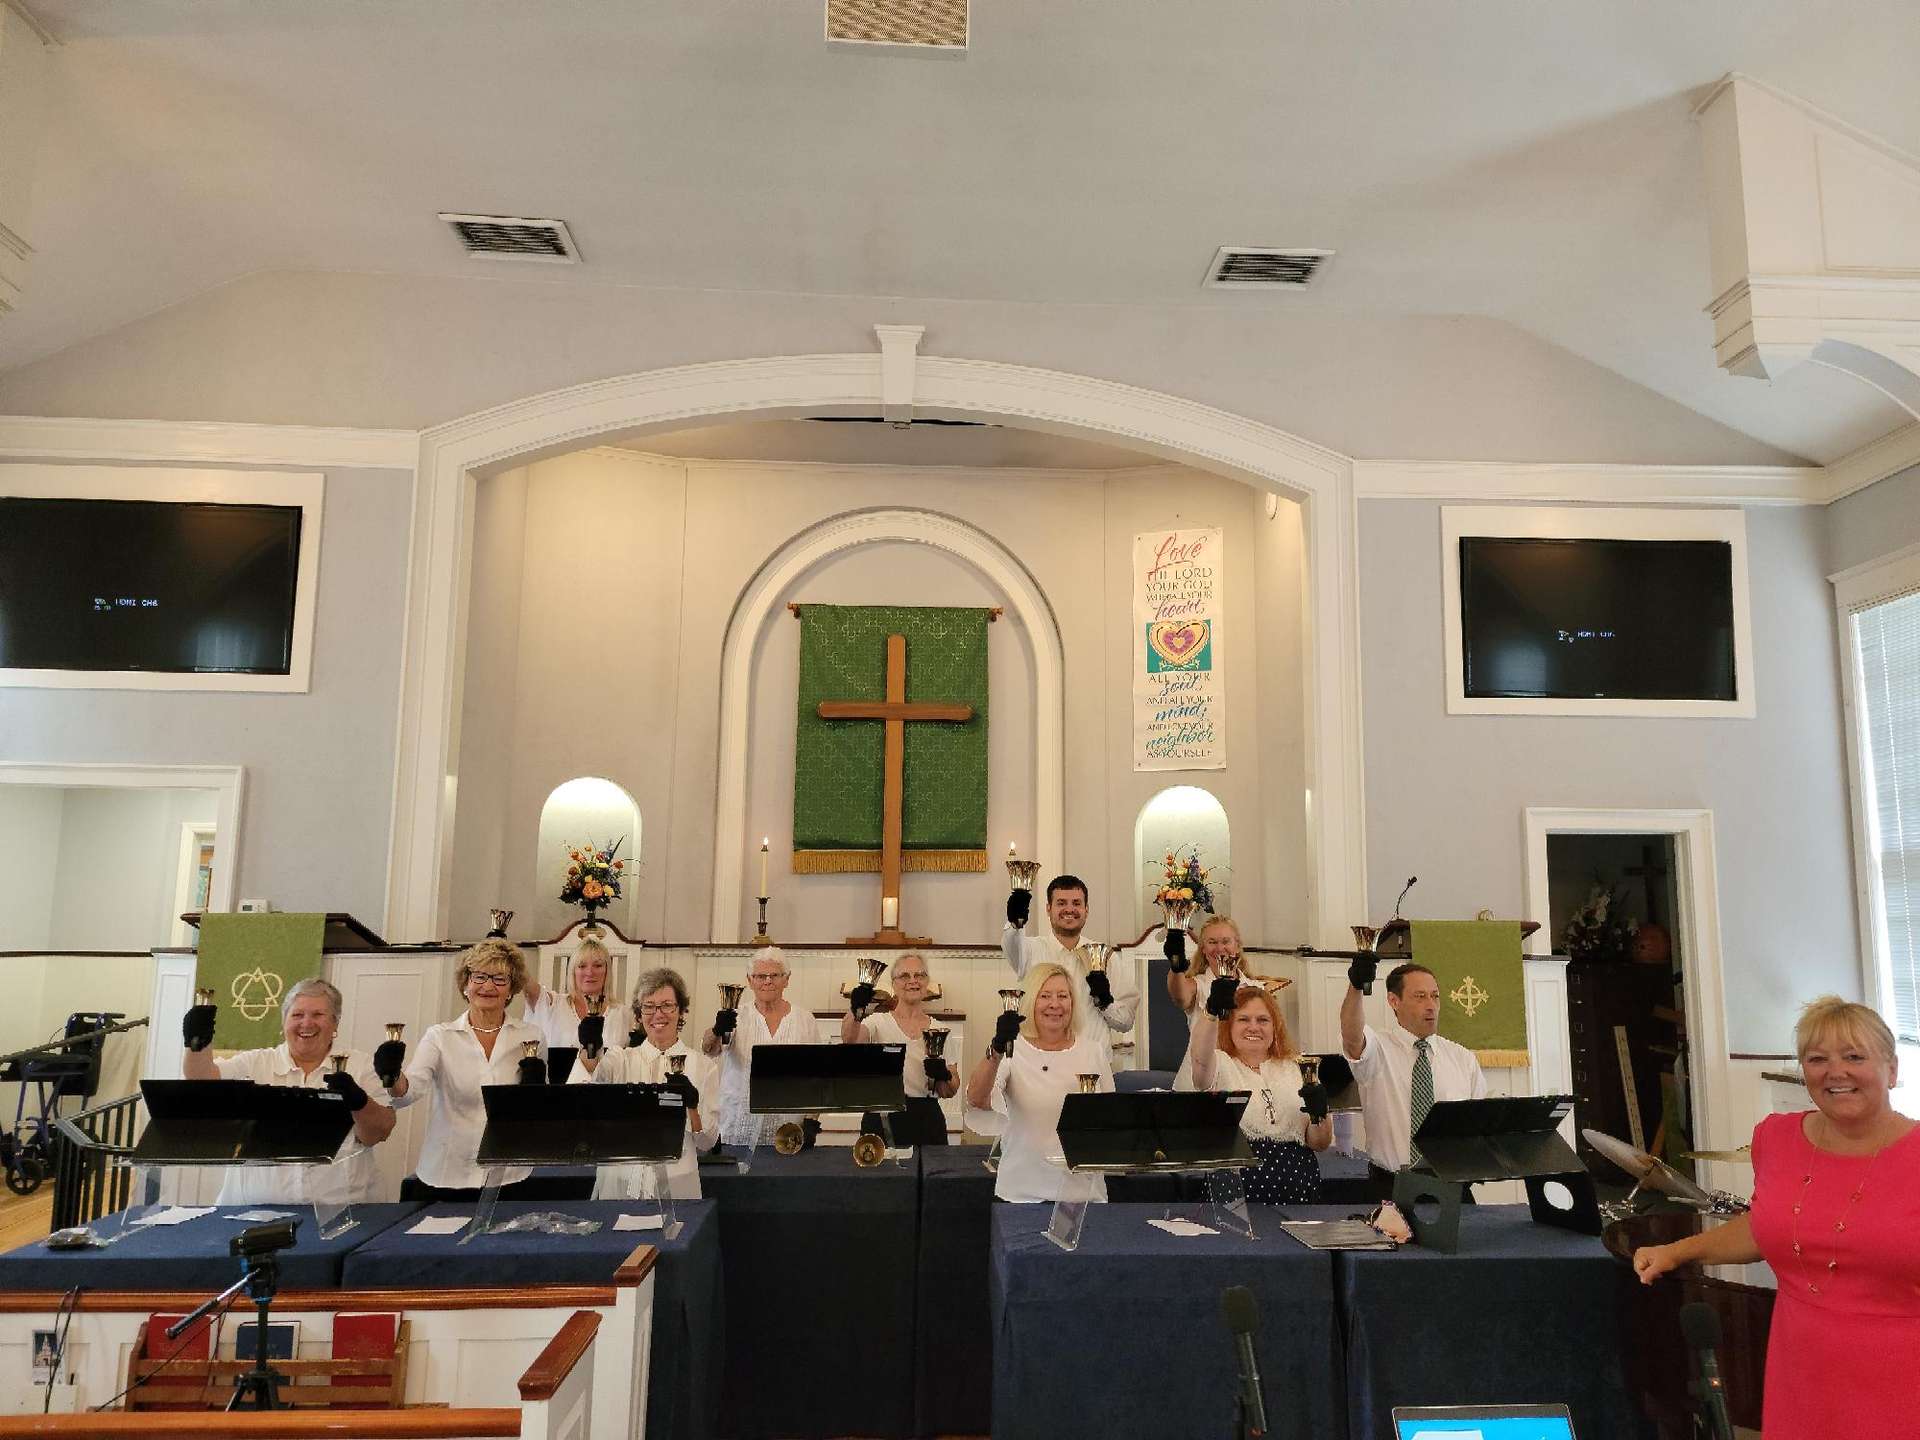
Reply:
x=584 y=810
x=1184 y=820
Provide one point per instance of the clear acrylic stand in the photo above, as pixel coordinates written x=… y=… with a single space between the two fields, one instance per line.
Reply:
x=1227 y=1199
x=331 y=1188
x=992 y=1158
x=483 y=1209
x=1070 y=1209
x=144 y=1198
x=656 y=1180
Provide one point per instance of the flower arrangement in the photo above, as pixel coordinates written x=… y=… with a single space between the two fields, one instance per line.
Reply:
x=1183 y=882
x=593 y=876
x=1597 y=930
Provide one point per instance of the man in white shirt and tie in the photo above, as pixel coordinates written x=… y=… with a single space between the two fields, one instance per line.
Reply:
x=1108 y=1000
x=1403 y=1070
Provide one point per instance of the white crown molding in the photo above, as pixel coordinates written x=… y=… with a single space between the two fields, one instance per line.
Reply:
x=1593 y=484
x=34 y=437
x=1873 y=462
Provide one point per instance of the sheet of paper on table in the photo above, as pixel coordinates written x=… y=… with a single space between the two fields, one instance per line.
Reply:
x=175 y=1215
x=637 y=1222
x=440 y=1225
x=1184 y=1228
x=260 y=1217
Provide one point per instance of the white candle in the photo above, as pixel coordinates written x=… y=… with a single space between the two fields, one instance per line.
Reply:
x=1011 y=850
x=889 y=911
x=763 y=866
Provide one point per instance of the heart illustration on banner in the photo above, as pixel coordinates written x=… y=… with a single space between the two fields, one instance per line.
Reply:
x=1177 y=641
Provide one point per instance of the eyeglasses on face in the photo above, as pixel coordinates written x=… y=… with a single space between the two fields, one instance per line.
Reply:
x=665 y=1007
x=774 y=975
x=487 y=980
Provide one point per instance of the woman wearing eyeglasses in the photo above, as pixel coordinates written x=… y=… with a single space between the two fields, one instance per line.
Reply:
x=1244 y=1045
x=772 y=1019
x=454 y=1060
x=660 y=1002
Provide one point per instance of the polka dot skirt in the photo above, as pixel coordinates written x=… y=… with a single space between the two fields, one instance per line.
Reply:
x=1287 y=1174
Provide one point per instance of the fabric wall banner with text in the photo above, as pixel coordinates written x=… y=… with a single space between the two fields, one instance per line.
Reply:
x=1179 y=681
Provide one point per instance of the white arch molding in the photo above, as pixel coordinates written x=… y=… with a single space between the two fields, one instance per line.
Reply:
x=759 y=605
x=1176 y=429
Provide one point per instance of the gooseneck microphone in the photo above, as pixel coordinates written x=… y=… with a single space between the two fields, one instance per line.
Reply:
x=1701 y=1325
x=1412 y=880
x=1243 y=1319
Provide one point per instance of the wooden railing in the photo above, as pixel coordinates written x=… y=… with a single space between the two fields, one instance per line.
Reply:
x=86 y=1182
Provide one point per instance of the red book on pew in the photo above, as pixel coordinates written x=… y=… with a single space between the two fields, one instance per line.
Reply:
x=173 y=1388
x=367 y=1337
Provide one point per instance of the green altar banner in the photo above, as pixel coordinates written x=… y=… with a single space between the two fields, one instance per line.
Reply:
x=839 y=765
x=249 y=962
x=1483 y=998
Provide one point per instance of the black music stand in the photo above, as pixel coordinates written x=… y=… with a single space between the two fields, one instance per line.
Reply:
x=827 y=1079
x=237 y=1122
x=1512 y=1137
x=1152 y=1132
x=579 y=1125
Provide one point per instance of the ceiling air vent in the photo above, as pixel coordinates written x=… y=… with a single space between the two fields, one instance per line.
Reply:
x=512 y=237
x=1254 y=267
x=919 y=24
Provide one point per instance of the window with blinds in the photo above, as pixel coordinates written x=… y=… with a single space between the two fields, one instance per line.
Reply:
x=1887 y=646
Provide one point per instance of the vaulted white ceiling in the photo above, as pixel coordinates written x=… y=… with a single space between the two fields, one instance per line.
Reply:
x=1530 y=162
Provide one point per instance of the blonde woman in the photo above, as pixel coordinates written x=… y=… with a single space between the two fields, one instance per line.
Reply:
x=1247 y=1047
x=1032 y=1064
x=1220 y=944
x=1836 y=1203
x=454 y=1060
x=563 y=1019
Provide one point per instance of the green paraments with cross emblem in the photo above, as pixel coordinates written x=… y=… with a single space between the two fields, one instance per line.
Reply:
x=250 y=962
x=1483 y=1000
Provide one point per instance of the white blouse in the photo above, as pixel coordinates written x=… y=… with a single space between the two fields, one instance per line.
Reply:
x=351 y=1178
x=560 y=1027
x=1273 y=1112
x=448 y=1068
x=737 y=1125
x=1029 y=1088
x=1203 y=979
x=642 y=1064
x=882 y=1029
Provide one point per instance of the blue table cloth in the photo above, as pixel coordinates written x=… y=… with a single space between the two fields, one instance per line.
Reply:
x=689 y=1325
x=1123 y=1337
x=193 y=1256
x=818 y=1256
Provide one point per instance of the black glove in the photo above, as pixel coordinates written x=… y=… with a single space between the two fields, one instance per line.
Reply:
x=634 y=1037
x=688 y=1092
x=1220 y=997
x=1005 y=1030
x=533 y=1071
x=387 y=1060
x=1175 y=949
x=809 y=1132
x=937 y=1071
x=1019 y=908
x=593 y=1034
x=1315 y=1102
x=724 y=1022
x=859 y=998
x=1100 y=988
x=1361 y=972
x=344 y=1085
x=196 y=1028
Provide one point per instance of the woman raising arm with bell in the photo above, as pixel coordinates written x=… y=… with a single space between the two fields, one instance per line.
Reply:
x=925 y=1076
x=559 y=1016
x=1032 y=1064
x=1242 y=1044
x=772 y=1019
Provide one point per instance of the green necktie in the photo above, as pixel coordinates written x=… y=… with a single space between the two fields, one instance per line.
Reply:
x=1422 y=1096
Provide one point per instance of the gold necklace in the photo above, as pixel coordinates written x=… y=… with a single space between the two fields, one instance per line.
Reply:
x=1839 y=1224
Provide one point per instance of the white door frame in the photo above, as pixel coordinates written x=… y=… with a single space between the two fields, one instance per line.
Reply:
x=228 y=782
x=1697 y=927
x=453 y=455
x=191 y=833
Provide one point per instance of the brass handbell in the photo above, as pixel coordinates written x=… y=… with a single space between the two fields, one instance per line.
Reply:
x=1178 y=912
x=1022 y=873
x=529 y=1049
x=207 y=996
x=730 y=996
x=870 y=972
x=596 y=1005
x=934 y=1037
x=790 y=1138
x=869 y=1150
x=1089 y=1084
x=1309 y=1070
x=1364 y=936
x=1097 y=958
x=501 y=919
x=339 y=1063
x=395 y=1028
x=676 y=1064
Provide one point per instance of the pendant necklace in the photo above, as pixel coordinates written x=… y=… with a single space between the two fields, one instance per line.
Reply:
x=1839 y=1224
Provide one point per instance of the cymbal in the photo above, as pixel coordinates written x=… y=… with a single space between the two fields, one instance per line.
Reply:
x=1646 y=1169
x=1742 y=1156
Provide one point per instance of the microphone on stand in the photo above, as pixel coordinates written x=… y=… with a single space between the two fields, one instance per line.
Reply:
x=1701 y=1326
x=1243 y=1319
x=1412 y=880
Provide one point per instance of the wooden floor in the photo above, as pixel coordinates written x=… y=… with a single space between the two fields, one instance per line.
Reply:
x=24 y=1218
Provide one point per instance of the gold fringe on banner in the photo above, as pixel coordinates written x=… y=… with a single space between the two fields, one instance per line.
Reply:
x=867 y=862
x=1502 y=1059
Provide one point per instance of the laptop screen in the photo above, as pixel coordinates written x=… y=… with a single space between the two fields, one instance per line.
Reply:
x=1484 y=1422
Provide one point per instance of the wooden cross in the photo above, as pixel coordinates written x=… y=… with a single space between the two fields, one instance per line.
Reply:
x=895 y=711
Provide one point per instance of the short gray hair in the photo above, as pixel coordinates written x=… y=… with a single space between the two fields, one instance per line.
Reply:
x=769 y=952
x=661 y=978
x=312 y=985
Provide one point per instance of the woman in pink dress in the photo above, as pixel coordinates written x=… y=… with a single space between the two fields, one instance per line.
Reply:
x=1836 y=1214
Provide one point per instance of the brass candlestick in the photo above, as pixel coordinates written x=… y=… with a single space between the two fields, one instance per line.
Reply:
x=760 y=930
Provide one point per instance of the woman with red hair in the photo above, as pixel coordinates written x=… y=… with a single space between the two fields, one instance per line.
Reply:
x=1247 y=1048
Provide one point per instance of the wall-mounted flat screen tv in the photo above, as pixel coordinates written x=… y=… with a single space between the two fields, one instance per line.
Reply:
x=172 y=586
x=1597 y=619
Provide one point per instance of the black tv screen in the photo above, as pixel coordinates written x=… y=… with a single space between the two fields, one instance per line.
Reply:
x=1597 y=619
x=147 y=585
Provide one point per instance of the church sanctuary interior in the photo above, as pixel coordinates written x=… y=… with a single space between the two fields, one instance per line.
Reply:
x=926 y=719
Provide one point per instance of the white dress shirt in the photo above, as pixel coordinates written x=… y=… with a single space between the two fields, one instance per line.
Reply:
x=1024 y=951
x=737 y=1125
x=881 y=1028
x=1385 y=1075
x=448 y=1067
x=353 y=1175
x=1203 y=979
x=642 y=1064
x=560 y=1027
x=1273 y=1110
x=1028 y=1090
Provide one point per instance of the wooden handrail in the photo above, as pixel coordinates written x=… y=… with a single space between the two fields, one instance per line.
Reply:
x=423 y=1423
x=552 y=1365
x=637 y=1266
x=534 y=1297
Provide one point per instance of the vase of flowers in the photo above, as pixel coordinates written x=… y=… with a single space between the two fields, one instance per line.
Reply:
x=594 y=873
x=1598 y=930
x=1183 y=889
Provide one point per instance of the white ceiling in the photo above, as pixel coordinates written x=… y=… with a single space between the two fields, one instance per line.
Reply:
x=1531 y=162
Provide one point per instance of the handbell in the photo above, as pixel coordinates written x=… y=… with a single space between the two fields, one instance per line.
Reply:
x=529 y=1049
x=339 y=1063
x=395 y=1028
x=597 y=1005
x=869 y=1150
x=730 y=996
x=1309 y=1069
x=935 y=1039
x=1097 y=957
x=676 y=1064
x=501 y=919
x=1178 y=912
x=1011 y=999
x=790 y=1139
x=1089 y=1084
x=870 y=972
x=1364 y=936
x=1022 y=873
x=208 y=996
